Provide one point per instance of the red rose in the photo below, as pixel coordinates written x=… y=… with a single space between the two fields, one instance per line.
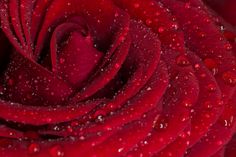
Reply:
x=103 y=78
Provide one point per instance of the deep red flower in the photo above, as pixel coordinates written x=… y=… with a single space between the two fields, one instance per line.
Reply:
x=107 y=78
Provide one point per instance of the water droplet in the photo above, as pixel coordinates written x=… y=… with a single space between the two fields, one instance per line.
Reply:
x=197 y=66
x=33 y=148
x=229 y=121
x=175 y=26
x=148 y=22
x=211 y=64
x=208 y=105
x=149 y=88
x=120 y=150
x=201 y=34
x=183 y=118
x=228 y=46
x=100 y=118
x=161 y=29
x=187 y=104
x=182 y=61
x=160 y=124
x=229 y=77
x=99 y=113
x=69 y=129
x=56 y=151
x=211 y=87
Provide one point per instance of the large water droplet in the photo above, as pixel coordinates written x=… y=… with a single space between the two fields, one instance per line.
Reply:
x=211 y=64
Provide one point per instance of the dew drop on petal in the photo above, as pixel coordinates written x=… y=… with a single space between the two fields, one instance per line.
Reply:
x=229 y=77
x=211 y=87
x=33 y=148
x=211 y=64
x=228 y=46
x=201 y=34
x=120 y=150
x=56 y=151
x=160 y=125
x=148 y=22
x=161 y=29
x=197 y=66
x=229 y=121
x=182 y=61
x=175 y=26
x=208 y=105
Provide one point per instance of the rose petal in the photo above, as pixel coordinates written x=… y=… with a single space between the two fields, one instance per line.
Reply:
x=29 y=83
x=44 y=115
x=77 y=59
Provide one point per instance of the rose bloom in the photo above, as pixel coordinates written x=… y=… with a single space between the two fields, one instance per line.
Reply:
x=117 y=78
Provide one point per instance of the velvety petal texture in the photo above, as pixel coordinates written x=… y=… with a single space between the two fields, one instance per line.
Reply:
x=117 y=78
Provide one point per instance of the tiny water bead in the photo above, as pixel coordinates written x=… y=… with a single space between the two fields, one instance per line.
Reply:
x=228 y=46
x=56 y=151
x=148 y=22
x=211 y=87
x=182 y=60
x=160 y=124
x=208 y=105
x=161 y=29
x=33 y=148
x=229 y=77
